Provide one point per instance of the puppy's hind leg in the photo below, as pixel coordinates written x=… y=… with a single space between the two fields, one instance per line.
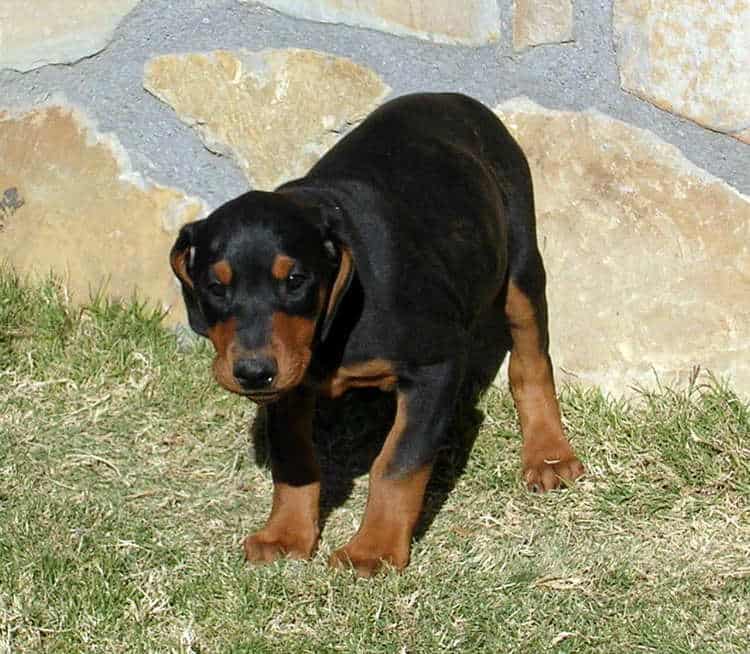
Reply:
x=547 y=456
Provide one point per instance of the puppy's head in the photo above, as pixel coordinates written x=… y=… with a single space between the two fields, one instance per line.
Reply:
x=262 y=277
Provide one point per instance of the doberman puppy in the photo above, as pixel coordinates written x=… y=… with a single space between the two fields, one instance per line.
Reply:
x=375 y=270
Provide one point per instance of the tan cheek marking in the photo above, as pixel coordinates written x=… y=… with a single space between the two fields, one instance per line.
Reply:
x=223 y=272
x=282 y=266
x=222 y=336
x=291 y=345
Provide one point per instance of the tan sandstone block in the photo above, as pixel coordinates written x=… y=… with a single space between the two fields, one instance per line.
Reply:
x=536 y=22
x=470 y=22
x=70 y=203
x=33 y=34
x=648 y=256
x=690 y=57
x=275 y=111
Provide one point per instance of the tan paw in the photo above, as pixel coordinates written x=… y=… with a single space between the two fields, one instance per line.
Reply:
x=543 y=473
x=367 y=561
x=265 y=547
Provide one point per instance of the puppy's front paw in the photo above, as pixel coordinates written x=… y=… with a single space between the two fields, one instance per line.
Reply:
x=367 y=558
x=268 y=545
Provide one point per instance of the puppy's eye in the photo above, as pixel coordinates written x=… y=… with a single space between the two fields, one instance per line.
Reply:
x=295 y=281
x=217 y=290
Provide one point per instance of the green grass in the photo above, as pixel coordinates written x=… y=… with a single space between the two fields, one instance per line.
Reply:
x=128 y=480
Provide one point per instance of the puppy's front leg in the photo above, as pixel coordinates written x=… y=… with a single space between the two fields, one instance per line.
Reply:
x=292 y=529
x=399 y=474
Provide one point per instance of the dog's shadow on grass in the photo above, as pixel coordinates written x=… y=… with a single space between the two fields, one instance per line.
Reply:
x=350 y=431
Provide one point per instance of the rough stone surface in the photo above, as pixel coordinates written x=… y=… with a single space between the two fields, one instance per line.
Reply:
x=536 y=22
x=648 y=257
x=33 y=34
x=691 y=58
x=470 y=22
x=75 y=207
x=275 y=111
x=572 y=76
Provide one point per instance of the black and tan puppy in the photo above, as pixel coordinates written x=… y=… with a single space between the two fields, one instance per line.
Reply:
x=376 y=269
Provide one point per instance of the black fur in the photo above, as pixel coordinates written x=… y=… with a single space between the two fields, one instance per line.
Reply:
x=430 y=199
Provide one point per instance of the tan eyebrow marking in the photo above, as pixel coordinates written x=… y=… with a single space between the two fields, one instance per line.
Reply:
x=223 y=272
x=282 y=265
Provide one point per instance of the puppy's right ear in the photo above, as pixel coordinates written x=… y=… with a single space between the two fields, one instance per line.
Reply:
x=181 y=258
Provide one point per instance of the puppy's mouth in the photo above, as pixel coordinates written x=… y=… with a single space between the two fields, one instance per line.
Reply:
x=265 y=396
x=262 y=397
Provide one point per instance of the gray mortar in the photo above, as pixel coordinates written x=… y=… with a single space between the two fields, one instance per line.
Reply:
x=573 y=76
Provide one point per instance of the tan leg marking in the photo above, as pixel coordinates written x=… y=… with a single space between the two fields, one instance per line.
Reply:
x=393 y=508
x=547 y=455
x=292 y=529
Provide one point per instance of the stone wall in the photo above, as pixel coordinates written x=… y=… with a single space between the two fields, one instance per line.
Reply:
x=120 y=120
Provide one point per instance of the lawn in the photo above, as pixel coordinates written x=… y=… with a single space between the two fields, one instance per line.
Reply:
x=128 y=480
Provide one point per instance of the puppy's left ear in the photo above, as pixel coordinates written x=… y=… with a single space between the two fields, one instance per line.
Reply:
x=181 y=258
x=340 y=285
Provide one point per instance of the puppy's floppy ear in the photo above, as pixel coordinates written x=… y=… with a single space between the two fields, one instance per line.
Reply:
x=339 y=286
x=326 y=216
x=181 y=258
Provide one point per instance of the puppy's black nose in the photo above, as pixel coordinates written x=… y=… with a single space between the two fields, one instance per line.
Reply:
x=255 y=373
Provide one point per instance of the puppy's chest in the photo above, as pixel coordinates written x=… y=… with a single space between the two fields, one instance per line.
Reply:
x=375 y=373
